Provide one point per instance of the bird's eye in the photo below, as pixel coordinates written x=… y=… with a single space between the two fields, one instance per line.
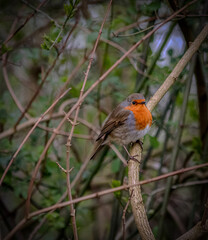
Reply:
x=134 y=102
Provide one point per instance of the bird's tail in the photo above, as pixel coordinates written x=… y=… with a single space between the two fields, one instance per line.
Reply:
x=96 y=150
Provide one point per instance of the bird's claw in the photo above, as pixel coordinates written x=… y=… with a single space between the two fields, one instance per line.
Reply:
x=140 y=144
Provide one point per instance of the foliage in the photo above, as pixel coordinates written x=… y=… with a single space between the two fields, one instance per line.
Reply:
x=38 y=58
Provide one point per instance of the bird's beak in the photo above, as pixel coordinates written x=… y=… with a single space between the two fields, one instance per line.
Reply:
x=143 y=102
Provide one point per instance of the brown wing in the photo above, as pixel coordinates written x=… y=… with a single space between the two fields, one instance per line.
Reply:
x=115 y=119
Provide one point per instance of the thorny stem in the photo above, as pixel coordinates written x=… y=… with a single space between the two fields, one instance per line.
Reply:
x=68 y=145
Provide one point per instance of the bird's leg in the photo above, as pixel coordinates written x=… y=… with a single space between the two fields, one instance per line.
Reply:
x=129 y=155
x=140 y=143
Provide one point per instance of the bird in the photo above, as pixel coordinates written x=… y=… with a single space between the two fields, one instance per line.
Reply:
x=126 y=124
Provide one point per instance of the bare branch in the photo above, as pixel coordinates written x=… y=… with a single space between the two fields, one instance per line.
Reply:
x=29 y=133
x=74 y=123
x=99 y=194
x=136 y=201
x=25 y=22
x=123 y=216
x=196 y=232
x=64 y=170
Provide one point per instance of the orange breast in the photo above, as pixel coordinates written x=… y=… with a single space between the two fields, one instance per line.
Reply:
x=142 y=115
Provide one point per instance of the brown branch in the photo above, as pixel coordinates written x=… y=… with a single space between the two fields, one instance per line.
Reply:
x=68 y=145
x=178 y=69
x=95 y=85
x=100 y=194
x=24 y=23
x=46 y=75
x=43 y=13
x=134 y=167
x=123 y=216
x=195 y=233
x=119 y=155
x=32 y=121
x=62 y=169
x=130 y=26
x=138 y=209
x=29 y=133
x=6 y=79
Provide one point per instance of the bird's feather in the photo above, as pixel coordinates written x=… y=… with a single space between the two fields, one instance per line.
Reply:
x=114 y=120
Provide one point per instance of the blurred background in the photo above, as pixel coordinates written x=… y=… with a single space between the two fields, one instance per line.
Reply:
x=45 y=49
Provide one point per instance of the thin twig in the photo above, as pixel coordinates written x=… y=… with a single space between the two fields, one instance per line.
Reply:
x=64 y=170
x=102 y=193
x=124 y=216
x=182 y=185
x=32 y=121
x=14 y=97
x=95 y=85
x=43 y=13
x=119 y=155
x=45 y=76
x=68 y=145
x=196 y=232
x=177 y=144
x=132 y=25
x=29 y=133
x=24 y=23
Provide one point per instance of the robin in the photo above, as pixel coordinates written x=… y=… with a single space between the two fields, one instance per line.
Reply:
x=127 y=123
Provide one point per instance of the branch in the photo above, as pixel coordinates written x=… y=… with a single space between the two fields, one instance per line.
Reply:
x=138 y=209
x=123 y=216
x=29 y=133
x=136 y=200
x=25 y=22
x=99 y=194
x=177 y=143
x=95 y=85
x=46 y=76
x=6 y=79
x=68 y=145
x=195 y=233
x=178 y=69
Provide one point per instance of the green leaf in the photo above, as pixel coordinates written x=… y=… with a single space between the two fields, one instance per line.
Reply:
x=47 y=42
